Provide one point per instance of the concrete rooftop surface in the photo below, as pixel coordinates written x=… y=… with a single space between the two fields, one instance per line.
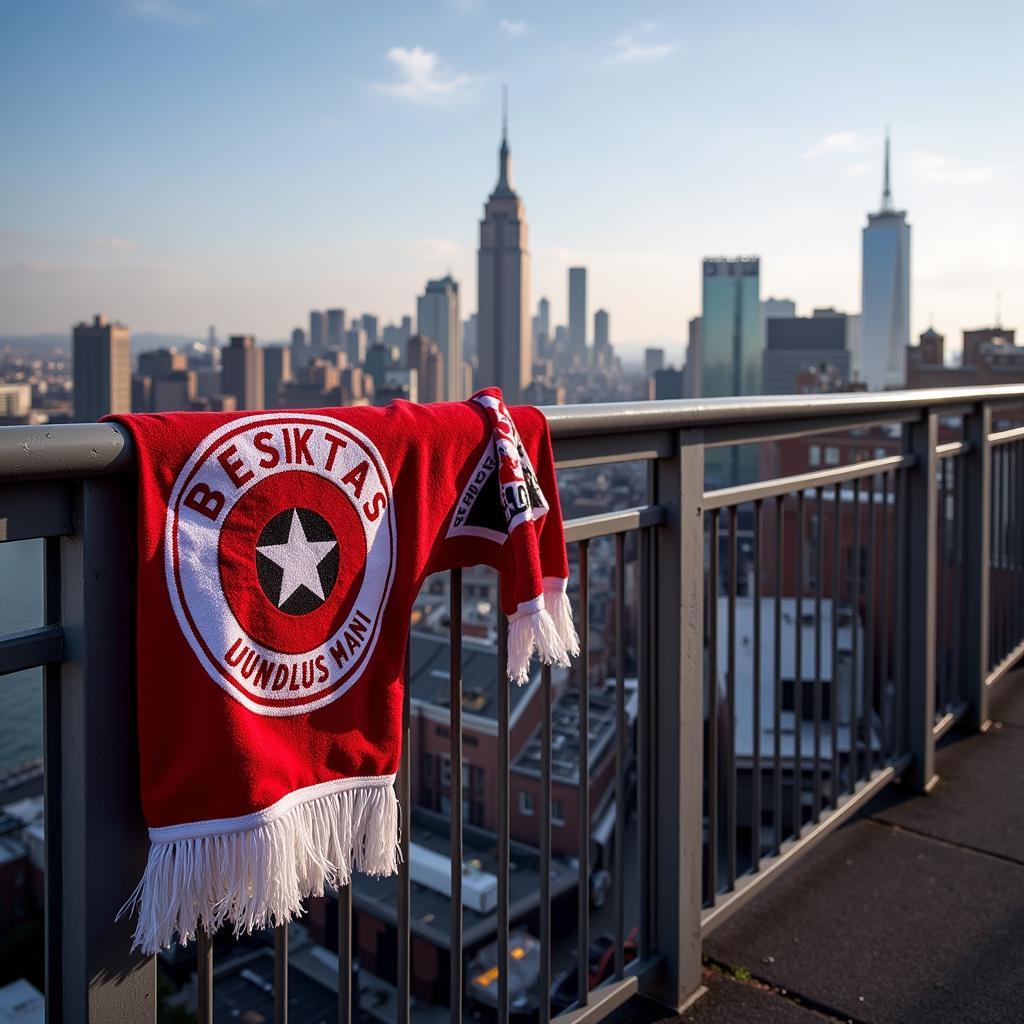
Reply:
x=911 y=912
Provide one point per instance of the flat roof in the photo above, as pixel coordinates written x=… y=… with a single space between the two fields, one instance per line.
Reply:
x=565 y=731
x=431 y=676
x=431 y=910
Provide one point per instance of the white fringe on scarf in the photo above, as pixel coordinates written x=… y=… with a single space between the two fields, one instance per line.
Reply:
x=543 y=625
x=256 y=877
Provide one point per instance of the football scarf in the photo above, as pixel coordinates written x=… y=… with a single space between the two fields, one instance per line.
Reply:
x=280 y=554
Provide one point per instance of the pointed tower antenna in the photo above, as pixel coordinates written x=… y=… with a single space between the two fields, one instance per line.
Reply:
x=886 y=182
x=504 y=114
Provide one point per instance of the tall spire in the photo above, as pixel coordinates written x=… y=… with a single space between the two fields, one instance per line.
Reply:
x=504 y=185
x=886 y=187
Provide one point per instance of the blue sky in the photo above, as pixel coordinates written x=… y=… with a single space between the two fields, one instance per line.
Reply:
x=179 y=163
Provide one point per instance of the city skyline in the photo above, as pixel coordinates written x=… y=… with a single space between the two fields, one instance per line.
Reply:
x=665 y=183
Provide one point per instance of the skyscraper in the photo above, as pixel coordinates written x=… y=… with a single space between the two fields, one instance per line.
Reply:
x=437 y=317
x=578 y=312
x=424 y=356
x=335 y=328
x=300 y=350
x=277 y=371
x=504 y=346
x=102 y=369
x=542 y=329
x=602 y=340
x=242 y=372
x=370 y=326
x=731 y=342
x=694 y=361
x=796 y=344
x=732 y=331
x=885 y=293
x=316 y=334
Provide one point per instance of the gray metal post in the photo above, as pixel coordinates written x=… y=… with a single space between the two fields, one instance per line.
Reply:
x=678 y=697
x=922 y=580
x=976 y=481
x=104 y=841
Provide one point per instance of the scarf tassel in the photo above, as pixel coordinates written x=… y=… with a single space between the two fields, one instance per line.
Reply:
x=533 y=629
x=257 y=878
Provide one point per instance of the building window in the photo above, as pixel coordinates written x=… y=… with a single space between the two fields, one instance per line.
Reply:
x=557 y=813
x=831 y=455
x=526 y=802
x=446 y=772
x=879 y=453
x=814 y=455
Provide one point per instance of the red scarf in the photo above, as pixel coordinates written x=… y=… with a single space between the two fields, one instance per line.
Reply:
x=279 y=557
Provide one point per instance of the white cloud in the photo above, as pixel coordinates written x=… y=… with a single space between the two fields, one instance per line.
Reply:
x=422 y=76
x=942 y=170
x=837 y=142
x=856 y=170
x=637 y=47
x=168 y=11
x=113 y=242
x=512 y=28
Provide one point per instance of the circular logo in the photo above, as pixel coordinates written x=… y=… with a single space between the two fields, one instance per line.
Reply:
x=280 y=556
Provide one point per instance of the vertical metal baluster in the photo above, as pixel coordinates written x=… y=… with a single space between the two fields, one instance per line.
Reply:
x=620 y=754
x=958 y=593
x=837 y=520
x=1015 y=604
x=544 y=1008
x=1001 y=555
x=798 y=681
x=993 y=653
x=503 y=830
x=777 y=656
x=730 y=707
x=345 y=954
x=869 y=627
x=404 y=937
x=281 y=974
x=1018 y=604
x=755 y=781
x=853 y=579
x=993 y=561
x=644 y=827
x=53 y=876
x=885 y=704
x=900 y=617
x=204 y=976
x=942 y=680
x=455 y=755
x=583 y=889
x=819 y=571
x=711 y=765
x=1004 y=518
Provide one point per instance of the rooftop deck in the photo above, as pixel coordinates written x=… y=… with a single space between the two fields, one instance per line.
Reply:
x=913 y=912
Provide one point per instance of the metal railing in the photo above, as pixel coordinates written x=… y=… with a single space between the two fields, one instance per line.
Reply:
x=801 y=642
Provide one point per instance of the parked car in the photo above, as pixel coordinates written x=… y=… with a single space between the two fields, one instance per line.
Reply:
x=523 y=976
x=600 y=966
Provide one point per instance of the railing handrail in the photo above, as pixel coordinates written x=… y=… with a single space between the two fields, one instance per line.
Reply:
x=617 y=417
x=68 y=450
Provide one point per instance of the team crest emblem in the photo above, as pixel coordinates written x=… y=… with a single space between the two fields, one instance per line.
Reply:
x=502 y=490
x=280 y=555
